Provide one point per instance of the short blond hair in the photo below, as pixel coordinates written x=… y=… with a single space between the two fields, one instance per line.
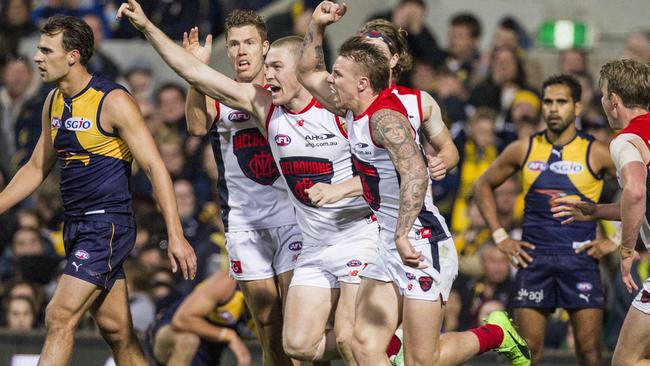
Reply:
x=630 y=80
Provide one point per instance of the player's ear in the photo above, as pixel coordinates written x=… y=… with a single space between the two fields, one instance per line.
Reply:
x=362 y=84
x=265 y=47
x=73 y=57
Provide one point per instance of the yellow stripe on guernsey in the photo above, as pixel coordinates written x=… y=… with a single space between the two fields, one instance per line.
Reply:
x=570 y=161
x=85 y=126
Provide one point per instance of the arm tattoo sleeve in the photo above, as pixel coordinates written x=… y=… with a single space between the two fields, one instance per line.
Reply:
x=391 y=130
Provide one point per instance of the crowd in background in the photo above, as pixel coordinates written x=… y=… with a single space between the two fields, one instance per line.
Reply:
x=489 y=98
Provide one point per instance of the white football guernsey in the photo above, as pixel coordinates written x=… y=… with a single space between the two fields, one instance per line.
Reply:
x=252 y=196
x=311 y=147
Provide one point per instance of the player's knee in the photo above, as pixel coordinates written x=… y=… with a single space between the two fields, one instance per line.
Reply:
x=344 y=338
x=298 y=347
x=422 y=357
x=185 y=342
x=59 y=318
x=363 y=345
x=621 y=358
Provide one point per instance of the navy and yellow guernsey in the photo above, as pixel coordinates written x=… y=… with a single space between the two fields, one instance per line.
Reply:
x=557 y=171
x=95 y=165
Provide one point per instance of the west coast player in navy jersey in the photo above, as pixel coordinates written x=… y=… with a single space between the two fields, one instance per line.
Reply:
x=93 y=129
x=262 y=238
x=309 y=146
x=412 y=276
x=555 y=267
x=625 y=86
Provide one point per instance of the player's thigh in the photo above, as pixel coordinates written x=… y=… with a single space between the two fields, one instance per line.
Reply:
x=631 y=346
x=587 y=327
x=71 y=299
x=111 y=310
x=284 y=280
x=345 y=313
x=307 y=311
x=262 y=298
x=377 y=315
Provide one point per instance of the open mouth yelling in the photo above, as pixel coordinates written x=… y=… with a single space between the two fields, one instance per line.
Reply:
x=243 y=65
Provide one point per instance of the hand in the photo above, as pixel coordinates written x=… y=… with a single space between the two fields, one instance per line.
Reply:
x=409 y=255
x=328 y=12
x=323 y=193
x=437 y=167
x=134 y=12
x=598 y=248
x=513 y=249
x=626 y=269
x=180 y=250
x=240 y=350
x=191 y=43
x=575 y=210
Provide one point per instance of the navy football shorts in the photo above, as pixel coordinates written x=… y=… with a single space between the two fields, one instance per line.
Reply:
x=559 y=280
x=96 y=250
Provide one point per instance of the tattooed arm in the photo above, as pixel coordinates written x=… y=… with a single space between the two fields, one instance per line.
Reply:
x=391 y=130
x=312 y=72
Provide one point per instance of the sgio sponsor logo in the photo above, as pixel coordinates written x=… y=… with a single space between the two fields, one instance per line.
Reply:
x=77 y=124
x=566 y=167
x=536 y=296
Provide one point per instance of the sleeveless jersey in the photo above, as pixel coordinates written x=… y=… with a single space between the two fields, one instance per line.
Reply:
x=380 y=180
x=252 y=197
x=557 y=171
x=640 y=126
x=412 y=101
x=95 y=165
x=312 y=147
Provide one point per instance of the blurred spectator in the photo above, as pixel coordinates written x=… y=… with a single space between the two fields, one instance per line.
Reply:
x=7 y=218
x=28 y=127
x=170 y=99
x=295 y=22
x=525 y=113
x=15 y=24
x=138 y=284
x=172 y=16
x=162 y=283
x=477 y=149
x=31 y=290
x=100 y=63
x=573 y=61
x=151 y=116
x=495 y=284
x=463 y=36
x=410 y=15
x=15 y=90
x=73 y=8
x=20 y=314
x=139 y=80
x=637 y=46
x=202 y=236
x=152 y=257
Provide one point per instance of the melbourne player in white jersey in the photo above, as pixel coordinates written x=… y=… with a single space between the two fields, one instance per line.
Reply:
x=305 y=335
x=262 y=238
x=625 y=86
x=417 y=263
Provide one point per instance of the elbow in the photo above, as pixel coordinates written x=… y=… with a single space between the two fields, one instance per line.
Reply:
x=197 y=131
x=179 y=323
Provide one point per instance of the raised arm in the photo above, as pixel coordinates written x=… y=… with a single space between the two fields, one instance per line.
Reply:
x=312 y=72
x=32 y=174
x=436 y=132
x=200 y=111
x=243 y=96
x=121 y=113
x=392 y=131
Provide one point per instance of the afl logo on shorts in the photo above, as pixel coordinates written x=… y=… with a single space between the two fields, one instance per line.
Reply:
x=584 y=286
x=295 y=246
x=282 y=140
x=410 y=276
x=77 y=124
x=566 y=167
x=354 y=263
x=56 y=122
x=238 y=116
x=537 y=166
x=81 y=254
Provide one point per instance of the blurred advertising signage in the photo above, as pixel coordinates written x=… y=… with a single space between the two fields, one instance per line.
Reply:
x=565 y=34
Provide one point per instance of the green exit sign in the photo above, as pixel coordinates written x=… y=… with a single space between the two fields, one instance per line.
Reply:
x=565 y=34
